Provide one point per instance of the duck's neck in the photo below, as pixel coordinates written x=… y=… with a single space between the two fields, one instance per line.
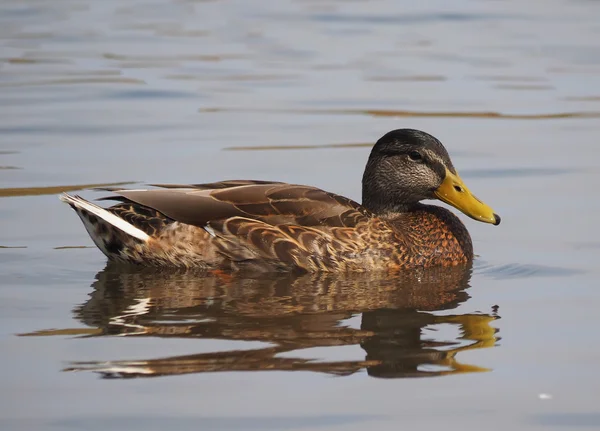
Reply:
x=386 y=203
x=382 y=195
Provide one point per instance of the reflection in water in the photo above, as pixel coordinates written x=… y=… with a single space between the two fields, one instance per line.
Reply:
x=289 y=312
x=52 y=190
x=406 y=113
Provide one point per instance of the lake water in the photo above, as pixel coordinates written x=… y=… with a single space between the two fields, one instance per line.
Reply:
x=99 y=92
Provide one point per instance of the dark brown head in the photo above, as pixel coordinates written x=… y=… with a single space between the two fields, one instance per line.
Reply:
x=407 y=166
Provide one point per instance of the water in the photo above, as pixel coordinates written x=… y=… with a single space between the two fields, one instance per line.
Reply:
x=192 y=91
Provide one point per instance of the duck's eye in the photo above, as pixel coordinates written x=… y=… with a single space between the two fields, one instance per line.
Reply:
x=415 y=156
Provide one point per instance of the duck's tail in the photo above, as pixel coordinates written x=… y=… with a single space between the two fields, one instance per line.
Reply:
x=109 y=232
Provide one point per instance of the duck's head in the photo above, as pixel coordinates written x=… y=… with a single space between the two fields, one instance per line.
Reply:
x=407 y=166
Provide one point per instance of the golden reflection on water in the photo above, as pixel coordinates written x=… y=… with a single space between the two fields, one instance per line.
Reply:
x=297 y=147
x=399 y=78
x=52 y=190
x=413 y=114
x=398 y=324
x=63 y=81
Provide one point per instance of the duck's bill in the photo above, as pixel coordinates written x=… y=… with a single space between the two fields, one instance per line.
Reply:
x=454 y=192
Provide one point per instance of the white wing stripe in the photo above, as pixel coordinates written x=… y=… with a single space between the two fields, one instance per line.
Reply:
x=105 y=215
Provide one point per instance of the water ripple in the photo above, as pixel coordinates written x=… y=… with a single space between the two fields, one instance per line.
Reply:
x=406 y=113
x=519 y=270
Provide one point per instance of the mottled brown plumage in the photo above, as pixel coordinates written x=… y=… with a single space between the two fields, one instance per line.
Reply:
x=262 y=225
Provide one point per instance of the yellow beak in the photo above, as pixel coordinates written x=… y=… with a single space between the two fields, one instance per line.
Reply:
x=454 y=192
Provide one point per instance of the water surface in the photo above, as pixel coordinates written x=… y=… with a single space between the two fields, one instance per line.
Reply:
x=98 y=93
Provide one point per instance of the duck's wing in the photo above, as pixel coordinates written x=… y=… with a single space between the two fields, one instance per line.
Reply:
x=269 y=202
x=232 y=224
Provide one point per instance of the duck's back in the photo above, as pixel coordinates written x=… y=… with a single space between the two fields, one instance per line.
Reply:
x=226 y=225
x=267 y=226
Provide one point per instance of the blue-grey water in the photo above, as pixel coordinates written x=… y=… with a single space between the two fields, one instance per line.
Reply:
x=175 y=91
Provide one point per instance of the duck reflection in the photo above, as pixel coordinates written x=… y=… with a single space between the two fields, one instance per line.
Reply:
x=398 y=329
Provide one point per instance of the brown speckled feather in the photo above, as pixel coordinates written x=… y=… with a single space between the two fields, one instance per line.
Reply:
x=245 y=224
x=273 y=203
x=147 y=219
x=278 y=226
x=267 y=226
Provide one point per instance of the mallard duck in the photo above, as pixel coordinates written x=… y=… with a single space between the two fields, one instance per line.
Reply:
x=275 y=226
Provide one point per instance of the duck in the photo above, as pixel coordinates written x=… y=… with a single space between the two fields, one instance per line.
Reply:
x=236 y=225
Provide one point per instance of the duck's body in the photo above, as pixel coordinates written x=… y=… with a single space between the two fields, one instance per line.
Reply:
x=234 y=225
